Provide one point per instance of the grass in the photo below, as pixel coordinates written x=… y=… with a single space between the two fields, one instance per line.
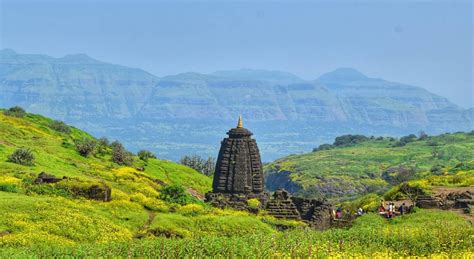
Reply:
x=423 y=233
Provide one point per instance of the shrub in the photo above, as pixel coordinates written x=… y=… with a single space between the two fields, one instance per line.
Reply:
x=396 y=175
x=145 y=155
x=60 y=126
x=175 y=194
x=253 y=204
x=85 y=146
x=10 y=184
x=102 y=145
x=191 y=210
x=120 y=155
x=22 y=156
x=323 y=147
x=405 y=140
x=16 y=111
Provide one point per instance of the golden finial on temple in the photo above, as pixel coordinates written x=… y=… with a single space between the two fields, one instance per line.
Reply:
x=240 y=124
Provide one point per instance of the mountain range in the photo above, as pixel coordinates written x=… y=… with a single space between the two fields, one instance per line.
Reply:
x=189 y=113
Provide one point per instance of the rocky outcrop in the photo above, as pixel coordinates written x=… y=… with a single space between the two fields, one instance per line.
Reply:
x=446 y=201
x=47 y=178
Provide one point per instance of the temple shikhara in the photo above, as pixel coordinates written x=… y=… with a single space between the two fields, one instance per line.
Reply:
x=239 y=178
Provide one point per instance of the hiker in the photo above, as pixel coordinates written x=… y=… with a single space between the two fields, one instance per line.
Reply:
x=382 y=207
x=401 y=209
x=390 y=210
x=339 y=213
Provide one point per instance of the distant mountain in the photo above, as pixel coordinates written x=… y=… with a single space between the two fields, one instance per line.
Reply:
x=189 y=113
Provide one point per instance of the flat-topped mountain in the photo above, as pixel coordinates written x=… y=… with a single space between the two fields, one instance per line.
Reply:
x=187 y=113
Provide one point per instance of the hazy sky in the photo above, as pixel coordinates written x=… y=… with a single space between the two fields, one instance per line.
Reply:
x=424 y=43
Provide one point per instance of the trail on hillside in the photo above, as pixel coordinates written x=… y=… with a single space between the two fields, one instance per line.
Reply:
x=144 y=229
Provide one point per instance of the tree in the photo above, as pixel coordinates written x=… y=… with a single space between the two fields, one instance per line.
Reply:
x=102 y=145
x=22 y=156
x=145 y=155
x=204 y=166
x=16 y=111
x=323 y=147
x=348 y=140
x=60 y=126
x=422 y=135
x=120 y=155
x=85 y=146
x=412 y=192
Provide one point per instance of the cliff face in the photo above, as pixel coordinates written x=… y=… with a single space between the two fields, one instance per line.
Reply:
x=290 y=114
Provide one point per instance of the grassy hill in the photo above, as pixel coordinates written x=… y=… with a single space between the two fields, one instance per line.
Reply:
x=61 y=213
x=145 y=217
x=349 y=169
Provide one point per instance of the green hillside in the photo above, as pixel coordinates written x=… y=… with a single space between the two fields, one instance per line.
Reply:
x=348 y=169
x=155 y=210
x=62 y=212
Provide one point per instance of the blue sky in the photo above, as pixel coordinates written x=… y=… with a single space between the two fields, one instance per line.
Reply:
x=423 y=43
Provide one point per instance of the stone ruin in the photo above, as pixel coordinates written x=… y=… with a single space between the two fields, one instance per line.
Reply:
x=97 y=192
x=239 y=177
x=47 y=178
x=452 y=200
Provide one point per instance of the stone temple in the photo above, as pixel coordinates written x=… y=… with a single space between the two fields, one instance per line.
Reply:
x=239 y=177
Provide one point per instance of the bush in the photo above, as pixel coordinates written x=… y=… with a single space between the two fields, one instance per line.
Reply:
x=22 y=156
x=191 y=210
x=405 y=140
x=323 y=147
x=120 y=155
x=253 y=204
x=85 y=146
x=348 y=140
x=16 y=111
x=145 y=155
x=396 y=175
x=60 y=126
x=175 y=194
x=102 y=145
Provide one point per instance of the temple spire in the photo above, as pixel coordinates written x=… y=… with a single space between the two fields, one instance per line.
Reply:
x=240 y=123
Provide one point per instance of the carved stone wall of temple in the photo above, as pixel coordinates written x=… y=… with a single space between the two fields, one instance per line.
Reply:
x=239 y=177
x=239 y=167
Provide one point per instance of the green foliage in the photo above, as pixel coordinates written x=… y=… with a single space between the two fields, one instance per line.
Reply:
x=253 y=204
x=175 y=194
x=22 y=156
x=405 y=140
x=349 y=140
x=102 y=146
x=145 y=155
x=60 y=126
x=16 y=111
x=120 y=155
x=85 y=146
x=323 y=147
x=204 y=166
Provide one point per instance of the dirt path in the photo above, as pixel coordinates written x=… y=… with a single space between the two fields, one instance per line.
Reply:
x=144 y=229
